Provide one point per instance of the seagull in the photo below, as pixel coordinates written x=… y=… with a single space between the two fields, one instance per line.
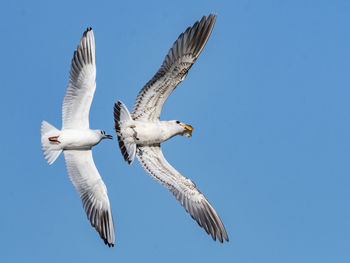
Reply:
x=141 y=132
x=76 y=139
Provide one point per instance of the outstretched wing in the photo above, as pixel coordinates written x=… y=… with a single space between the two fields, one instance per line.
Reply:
x=178 y=61
x=93 y=192
x=82 y=84
x=185 y=191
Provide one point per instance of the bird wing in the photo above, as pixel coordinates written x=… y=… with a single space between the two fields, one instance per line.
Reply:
x=93 y=192
x=82 y=84
x=184 y=190
x=178 y=61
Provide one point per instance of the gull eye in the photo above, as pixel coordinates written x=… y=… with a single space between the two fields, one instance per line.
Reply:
x=177 y=122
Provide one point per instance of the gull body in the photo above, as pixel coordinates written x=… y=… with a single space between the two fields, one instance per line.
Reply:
x=150 y=133
x=141 y=132
x=76 y=139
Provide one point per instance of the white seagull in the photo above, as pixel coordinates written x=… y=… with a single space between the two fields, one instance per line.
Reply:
x=141 y=132
x=76 y=139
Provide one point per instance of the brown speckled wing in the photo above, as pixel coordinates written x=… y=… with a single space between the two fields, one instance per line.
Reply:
x=178 y=61
x=152 y=160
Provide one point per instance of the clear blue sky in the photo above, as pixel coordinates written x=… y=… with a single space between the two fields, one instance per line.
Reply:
x=269 y=102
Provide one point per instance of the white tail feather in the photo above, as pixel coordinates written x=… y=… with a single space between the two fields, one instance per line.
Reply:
x=50 y=150
x=128 y=148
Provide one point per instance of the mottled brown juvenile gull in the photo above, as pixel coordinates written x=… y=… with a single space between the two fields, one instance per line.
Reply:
x=141 y=132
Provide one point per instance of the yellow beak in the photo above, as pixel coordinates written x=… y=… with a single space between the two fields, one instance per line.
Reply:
x=188 y=131
x=188 y=127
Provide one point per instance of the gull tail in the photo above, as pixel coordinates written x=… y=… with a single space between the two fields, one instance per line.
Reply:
x=127 y=147
x=50 y=142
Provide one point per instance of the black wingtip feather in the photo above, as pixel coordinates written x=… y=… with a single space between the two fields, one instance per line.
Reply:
x=102 y=221
x=88 y=29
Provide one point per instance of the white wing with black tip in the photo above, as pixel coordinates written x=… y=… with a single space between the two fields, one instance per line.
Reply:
x=82 y=84
x=93 y=192
x=179 y=60
x=185 y=191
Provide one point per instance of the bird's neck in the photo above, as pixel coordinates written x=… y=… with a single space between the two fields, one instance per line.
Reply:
x=169 y=130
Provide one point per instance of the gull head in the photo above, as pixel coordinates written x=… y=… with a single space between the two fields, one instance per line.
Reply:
x=186 y=129
x=103 y=135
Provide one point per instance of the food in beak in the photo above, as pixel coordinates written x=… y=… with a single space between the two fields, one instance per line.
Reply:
x=188 y=130
x=109 y=136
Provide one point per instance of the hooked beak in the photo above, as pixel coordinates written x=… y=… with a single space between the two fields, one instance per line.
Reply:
x=108 y=136
x=188 y=130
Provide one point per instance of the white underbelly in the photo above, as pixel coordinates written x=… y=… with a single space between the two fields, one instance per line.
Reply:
x=144 y=133
x=148 y=137
x=77 y=139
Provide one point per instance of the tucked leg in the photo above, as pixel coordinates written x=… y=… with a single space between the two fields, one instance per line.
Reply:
x=54 y=139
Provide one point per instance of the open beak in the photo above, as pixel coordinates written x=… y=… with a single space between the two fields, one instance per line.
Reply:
x=108 y=136
x=188 y=130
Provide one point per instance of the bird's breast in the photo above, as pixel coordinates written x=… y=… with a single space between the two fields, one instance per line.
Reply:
x=148 y=133
x=78 y=139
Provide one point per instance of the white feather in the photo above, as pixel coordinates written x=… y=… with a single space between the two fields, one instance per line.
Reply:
x=82 y=85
